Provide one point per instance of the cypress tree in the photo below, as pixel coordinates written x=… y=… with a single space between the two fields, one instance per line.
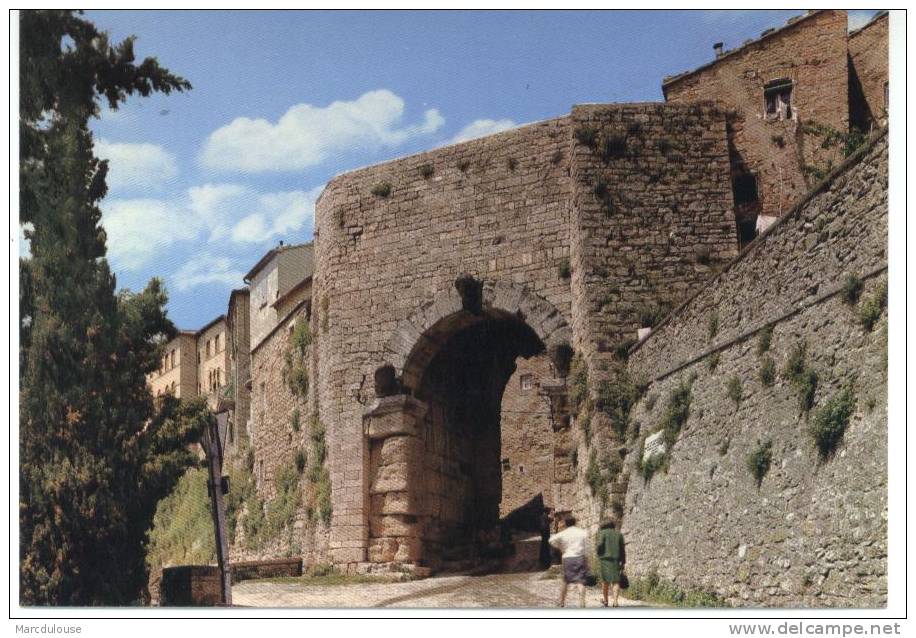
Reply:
x=94 y=455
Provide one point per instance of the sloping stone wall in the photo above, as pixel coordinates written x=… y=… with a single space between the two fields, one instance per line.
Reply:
x=814 y=532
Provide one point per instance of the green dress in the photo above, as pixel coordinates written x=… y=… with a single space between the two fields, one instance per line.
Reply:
x=611 y=554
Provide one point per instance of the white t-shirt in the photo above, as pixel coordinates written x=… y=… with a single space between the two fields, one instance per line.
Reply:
x=572 y=541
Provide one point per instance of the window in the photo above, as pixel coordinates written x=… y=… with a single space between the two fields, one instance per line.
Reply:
x=506 y=465
x=216 y=344
x=778 y=98
x=744 y=186
x=172 y=357
x=526 y=382
x=199 y=356
x=208 y=348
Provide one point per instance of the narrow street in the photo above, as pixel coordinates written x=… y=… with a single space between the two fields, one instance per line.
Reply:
x=452 y=591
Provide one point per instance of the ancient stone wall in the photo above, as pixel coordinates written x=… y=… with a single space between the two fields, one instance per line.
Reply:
x=653 y=218
x=393 y=238
x=813 y=531
x=868 y=69
x=811 y=53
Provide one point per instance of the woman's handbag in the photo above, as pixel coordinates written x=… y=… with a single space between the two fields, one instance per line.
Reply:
x=624 y=581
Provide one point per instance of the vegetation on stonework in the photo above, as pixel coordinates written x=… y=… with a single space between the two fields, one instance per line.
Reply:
x=281 y=509
x=713 y=362
x=585 y=424
x=319 y=507
x=622 y=349
x=830 y=138
x=871 y=309
x=653 y=589
x=616 y=398
x=426 y=171
x=564 y=270
x=712 y=327
x=578 y=383
x=381 y=189
x=650 y=316
x=295 y=420
x=241 y=501
x=677 y=411
x=301 y=460
x=182 y=531
x=764 y=339
x=852 y=289
x=587 y=136
x=463 y=165
x=830 y=422
x=735 y=390
x=802 y=378
x=295 y=360
x=767 y=371
x=94 y=456
x=597 y=480
x=759 y=460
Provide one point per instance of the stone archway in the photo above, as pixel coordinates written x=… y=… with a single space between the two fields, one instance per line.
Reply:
x=434 y=431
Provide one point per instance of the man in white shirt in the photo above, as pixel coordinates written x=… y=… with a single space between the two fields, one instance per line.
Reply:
x=573 y=542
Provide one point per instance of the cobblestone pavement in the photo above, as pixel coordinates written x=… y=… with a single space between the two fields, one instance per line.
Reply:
x=454 y=591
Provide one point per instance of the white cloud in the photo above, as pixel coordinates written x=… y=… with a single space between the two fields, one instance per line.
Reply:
x=277 y=214
x=25 y=246
x=136 y=167
x=139 y=229
x=307 y=135
x=858 y=19
x=481 y=128
x=205 y=268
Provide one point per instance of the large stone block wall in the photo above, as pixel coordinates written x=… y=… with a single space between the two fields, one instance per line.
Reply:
x=868 y=59
x=814 y=532
x=652 y=219
x=812 y=53
x=496 y=208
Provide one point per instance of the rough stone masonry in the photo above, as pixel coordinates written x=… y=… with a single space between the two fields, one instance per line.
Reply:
x=471 y=310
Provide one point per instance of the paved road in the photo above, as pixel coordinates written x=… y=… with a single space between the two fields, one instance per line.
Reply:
x=456 y=591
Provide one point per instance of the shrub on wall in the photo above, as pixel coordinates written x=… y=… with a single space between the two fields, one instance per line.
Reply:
x=759 y=460
x=764 y=339
x=295 y=359
x=801 y=377
x=382 y=189
x=578 y=382
x=616 y=398
x=182 y=531
x=713 y=362
x=735 y=390
x=767 y=371
x=852 y=289
x=653 y=589
x=870 y=310
x=712 y=327
x=830 y=422
x=676 y=412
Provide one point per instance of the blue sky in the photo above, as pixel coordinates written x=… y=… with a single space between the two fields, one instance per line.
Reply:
x=203 y=183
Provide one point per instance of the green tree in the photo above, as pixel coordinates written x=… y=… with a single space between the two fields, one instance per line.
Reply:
x=94 y=454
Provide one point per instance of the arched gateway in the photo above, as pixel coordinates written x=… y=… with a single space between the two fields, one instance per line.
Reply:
x=434 y=429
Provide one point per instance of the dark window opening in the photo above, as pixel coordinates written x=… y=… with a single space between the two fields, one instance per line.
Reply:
x=745 y=188
x=778 y=97
x=747 y=231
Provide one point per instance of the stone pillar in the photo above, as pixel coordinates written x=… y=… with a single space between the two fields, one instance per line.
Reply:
x=564 y=444
x=392 y=430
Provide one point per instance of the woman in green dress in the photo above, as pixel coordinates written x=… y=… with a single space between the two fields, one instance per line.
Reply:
x=611 y=558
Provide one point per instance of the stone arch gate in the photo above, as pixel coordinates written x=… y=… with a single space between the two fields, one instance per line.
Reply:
x=432 y=433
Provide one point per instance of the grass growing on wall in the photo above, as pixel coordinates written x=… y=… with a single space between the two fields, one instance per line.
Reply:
x=653 y=589
x=578 y=383
x=870 y=310
x=802 y=378
x=830 y=422
x=768 y=371
x=319 y=509
x=735 y=390
x=182 y=531
x=295 y=359
x=616 y=397
x=759 y=461
x=764 y=339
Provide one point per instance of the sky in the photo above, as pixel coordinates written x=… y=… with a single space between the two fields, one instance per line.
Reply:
x=203 y=183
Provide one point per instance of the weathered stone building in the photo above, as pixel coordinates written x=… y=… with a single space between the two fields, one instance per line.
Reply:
x=454 y=345
x=177 y=375
x=212 y=360
x=868 y=74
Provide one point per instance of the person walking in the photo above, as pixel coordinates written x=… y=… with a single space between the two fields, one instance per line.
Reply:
x=573 y=542
x=611 y=552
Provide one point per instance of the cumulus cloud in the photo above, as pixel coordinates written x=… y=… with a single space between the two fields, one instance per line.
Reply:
x=307 y=135
x=206 y=268
x=139 y=230
x=136 y=167
x=481 y=128
x=277 y=214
